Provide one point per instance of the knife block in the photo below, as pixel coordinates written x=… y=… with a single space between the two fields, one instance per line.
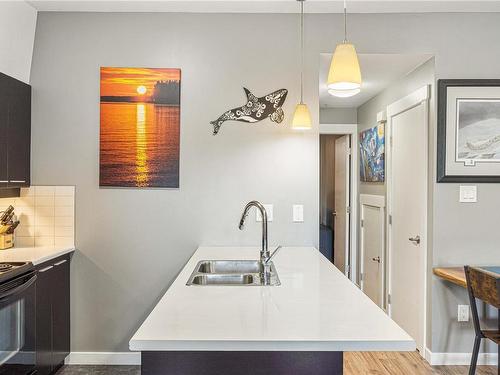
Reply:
x=6 y=241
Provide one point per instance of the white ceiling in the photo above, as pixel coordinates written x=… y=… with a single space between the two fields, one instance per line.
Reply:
x=378 y=72
x=268 y=6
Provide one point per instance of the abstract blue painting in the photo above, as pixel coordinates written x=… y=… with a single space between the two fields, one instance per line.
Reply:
x=372 y=154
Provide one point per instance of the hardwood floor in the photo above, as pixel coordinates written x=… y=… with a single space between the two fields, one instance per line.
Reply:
x=373 y=363
x=393 y=363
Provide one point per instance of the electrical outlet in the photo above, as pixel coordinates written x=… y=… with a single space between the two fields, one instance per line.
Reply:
x=269 y=212
x=463 y=313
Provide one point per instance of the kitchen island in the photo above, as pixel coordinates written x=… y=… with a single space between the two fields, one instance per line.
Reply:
x=301 y=327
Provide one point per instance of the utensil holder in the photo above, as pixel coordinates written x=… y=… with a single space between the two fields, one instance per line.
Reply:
x=6 y=241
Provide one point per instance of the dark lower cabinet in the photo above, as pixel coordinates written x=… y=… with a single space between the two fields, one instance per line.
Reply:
x=53 y=315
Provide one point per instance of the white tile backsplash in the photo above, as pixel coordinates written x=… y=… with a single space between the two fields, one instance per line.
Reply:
x=28 y=192
x=45 y=201
x=45 y=241
x=24 y=241
x=64 y=241
x=25 y=219
x=64 y=211
x=25 y=231
x=28 y=201
x=63 y=231
x=47 y=215
x=43 y=191
x=64 y=221
x=41 y=211
x=65 y=191
x=64 y=201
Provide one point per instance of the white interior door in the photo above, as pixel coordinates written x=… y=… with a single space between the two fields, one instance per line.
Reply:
x=408 y=209
x=342 y=198
x=372 y=247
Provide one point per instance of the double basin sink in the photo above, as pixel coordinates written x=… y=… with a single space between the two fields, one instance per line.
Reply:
x=234 y=272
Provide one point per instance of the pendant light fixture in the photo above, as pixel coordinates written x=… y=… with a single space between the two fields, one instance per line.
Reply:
x=301 y=117
x=344 y=77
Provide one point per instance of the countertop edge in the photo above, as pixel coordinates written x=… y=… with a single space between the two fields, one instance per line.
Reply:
x=306 y=346
x=35 y=255
x=54 y=255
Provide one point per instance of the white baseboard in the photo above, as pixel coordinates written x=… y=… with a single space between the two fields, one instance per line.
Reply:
x=449 y=359
x=134 y=358
x=104 y=358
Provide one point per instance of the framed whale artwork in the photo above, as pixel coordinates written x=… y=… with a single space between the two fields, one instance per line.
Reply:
x=468 y=139
x=255 y=109
x=139 y=127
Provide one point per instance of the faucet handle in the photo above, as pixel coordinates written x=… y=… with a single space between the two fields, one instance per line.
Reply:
x=273 y=254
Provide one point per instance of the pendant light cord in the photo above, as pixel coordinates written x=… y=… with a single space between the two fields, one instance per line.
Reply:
x=345 y=21
x=301 y=51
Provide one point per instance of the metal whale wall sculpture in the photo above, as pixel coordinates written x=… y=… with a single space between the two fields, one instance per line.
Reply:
x=256 y=109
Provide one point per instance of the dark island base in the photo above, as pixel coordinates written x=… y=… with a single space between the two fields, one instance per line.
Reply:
x=241 y=363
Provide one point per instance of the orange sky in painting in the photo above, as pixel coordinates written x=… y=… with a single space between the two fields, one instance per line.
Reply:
x=124 y=81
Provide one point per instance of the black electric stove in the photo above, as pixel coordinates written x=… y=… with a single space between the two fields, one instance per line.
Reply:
x=17 y=318
x=9 y=270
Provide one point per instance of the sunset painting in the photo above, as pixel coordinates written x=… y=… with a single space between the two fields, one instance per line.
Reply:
x=140 y=125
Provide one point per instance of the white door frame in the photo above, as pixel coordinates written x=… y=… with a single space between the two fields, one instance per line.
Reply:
x=418 y=97
x=352 y=130
x=378 y=201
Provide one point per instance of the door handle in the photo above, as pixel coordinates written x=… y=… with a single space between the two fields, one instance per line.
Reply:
x=377 y=259
x=46 y=269
x=415 y=240
x=18 y=181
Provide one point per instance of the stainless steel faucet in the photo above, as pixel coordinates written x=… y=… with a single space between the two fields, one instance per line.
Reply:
x=264 y=252
x=265 y=255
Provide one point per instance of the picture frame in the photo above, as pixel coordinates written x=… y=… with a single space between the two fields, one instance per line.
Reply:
x=372 y=154
x=139 y=138
x=468 y=130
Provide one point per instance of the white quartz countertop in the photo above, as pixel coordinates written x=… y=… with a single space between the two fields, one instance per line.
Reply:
x=36 y=255
x=316 y=308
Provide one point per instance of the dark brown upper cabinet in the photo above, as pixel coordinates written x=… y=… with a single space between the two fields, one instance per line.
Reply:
x=15 y=133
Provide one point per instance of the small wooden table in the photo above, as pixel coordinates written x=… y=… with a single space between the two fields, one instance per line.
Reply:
x=456 y=275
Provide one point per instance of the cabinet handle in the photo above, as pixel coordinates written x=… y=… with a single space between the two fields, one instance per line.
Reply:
x=46 y=269
x=3 y=181
x=17 y=181
x=60 y=262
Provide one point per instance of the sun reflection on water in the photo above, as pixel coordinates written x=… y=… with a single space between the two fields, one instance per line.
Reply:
x=141 y=165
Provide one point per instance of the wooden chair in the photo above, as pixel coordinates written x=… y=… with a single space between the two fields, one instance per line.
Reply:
x=485 y=286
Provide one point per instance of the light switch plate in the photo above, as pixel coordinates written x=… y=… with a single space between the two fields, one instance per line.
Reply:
x=298 y=213
x=269 y=211
x=468 y=193
x=463 y=313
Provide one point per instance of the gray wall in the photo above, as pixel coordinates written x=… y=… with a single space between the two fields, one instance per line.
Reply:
x=367 y=113
x=17 y=34
x=338 y=116
x=124 y=264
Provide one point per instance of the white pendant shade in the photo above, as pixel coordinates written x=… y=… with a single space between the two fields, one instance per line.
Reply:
x=344 y=93
x=344 y=77
x=301 y=117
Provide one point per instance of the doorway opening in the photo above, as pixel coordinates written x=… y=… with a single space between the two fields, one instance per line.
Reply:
x=376 y=235
x=338 y=194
